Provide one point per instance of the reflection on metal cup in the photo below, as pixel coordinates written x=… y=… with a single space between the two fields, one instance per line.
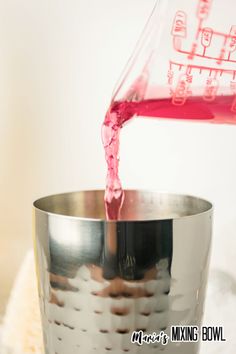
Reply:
x=99 y=281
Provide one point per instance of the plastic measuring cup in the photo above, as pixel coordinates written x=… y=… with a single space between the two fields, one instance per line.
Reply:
x=184 y=65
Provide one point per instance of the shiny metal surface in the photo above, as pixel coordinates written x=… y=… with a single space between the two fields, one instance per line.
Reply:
x=99 y=281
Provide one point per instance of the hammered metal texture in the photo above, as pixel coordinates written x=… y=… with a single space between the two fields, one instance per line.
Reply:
x=100 y=281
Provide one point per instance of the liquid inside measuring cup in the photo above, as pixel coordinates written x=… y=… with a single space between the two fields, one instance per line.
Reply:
x=195 y=108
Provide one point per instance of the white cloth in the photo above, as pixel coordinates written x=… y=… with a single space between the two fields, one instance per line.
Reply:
x=21 y=331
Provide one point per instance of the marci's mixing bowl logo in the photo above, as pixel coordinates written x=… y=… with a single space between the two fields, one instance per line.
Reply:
x=180 y=334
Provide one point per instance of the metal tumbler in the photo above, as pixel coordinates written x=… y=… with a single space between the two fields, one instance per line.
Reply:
x=101 y=280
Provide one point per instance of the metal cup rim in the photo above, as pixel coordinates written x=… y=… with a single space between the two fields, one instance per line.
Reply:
x=38 y=205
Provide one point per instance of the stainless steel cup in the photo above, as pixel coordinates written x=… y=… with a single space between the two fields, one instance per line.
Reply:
x=101 y=280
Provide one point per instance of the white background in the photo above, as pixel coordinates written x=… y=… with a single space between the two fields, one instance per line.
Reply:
x=59 y=63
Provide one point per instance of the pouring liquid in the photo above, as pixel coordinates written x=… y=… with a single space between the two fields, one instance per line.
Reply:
x=221 y=110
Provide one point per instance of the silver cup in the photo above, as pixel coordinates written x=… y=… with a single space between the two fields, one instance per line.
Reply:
x=101 y=280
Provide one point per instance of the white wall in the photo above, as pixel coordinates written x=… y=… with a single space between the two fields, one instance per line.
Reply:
x=59 y=63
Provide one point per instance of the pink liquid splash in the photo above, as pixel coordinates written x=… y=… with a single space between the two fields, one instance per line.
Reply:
x=221 y=110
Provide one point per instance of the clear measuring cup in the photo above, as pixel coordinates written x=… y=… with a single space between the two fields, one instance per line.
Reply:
x=184 y=66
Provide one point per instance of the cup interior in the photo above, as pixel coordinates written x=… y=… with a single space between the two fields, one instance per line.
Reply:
x=138 y=205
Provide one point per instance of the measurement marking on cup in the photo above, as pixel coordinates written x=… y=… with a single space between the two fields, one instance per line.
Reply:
x=181 y=92
x=179 y=28
x=206 y=38
x=231 y=40
x=222 y=53
x=204 y=7
x=193 y=53
x=211 y=89
x=211 y=86
x=201 y=68
x=206 y=34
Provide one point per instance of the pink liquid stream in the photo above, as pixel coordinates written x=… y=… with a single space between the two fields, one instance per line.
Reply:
x=221 y=110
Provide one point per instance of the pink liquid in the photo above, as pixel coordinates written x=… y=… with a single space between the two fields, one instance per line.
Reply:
x=221 y=110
